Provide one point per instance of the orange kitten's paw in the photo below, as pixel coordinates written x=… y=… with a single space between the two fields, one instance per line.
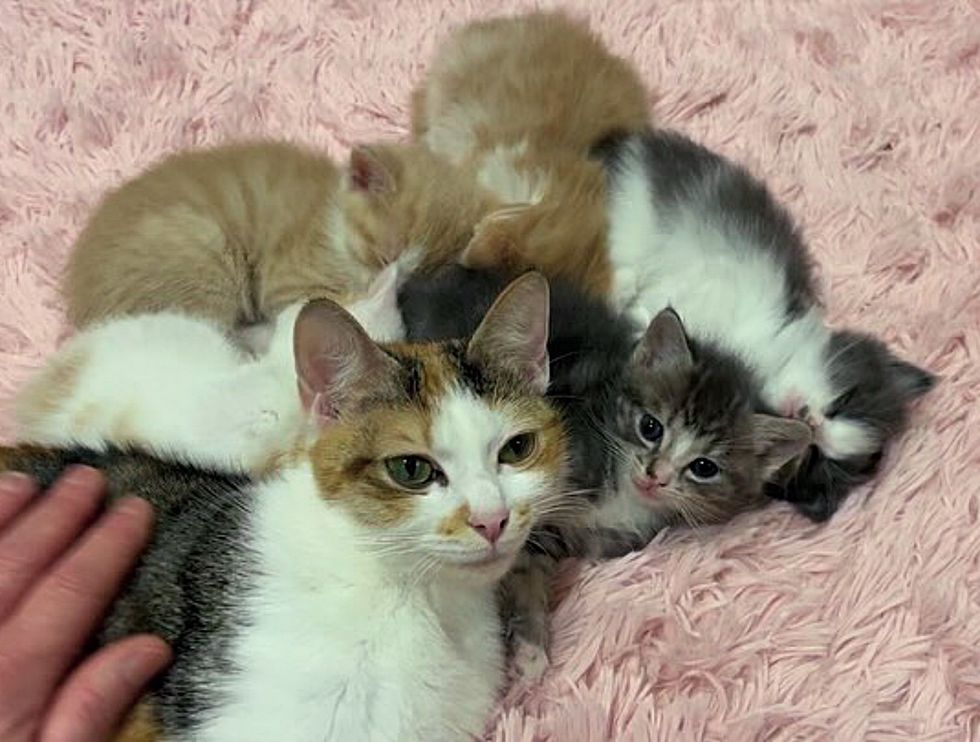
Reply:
x=530 y=662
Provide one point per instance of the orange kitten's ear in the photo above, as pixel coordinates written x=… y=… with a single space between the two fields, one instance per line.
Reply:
x=514 y=333
x=778 y=440
x=367 y=171
x=664 y=343
x=336 y=362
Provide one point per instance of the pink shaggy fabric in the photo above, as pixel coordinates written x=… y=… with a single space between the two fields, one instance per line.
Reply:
x=864 y=118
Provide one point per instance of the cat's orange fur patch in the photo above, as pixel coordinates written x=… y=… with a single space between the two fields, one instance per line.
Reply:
x=140 y=726
x=44 y=394
x=522 y=514
x=457 y=523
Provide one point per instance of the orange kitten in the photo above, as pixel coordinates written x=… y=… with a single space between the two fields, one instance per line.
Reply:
x=519 y=101
x=236 y=233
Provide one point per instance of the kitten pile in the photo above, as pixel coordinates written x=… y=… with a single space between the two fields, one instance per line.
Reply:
x=426 y=456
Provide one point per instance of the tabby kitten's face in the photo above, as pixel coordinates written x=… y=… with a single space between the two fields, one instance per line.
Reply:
x=445 y=454
x=693 y=450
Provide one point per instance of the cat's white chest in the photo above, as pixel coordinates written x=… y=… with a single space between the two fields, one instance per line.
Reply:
x=345 y=655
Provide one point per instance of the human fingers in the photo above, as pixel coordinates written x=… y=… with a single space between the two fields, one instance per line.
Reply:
x=52 y=623
x=44 y=531
x=16 y=490
x=97 y=696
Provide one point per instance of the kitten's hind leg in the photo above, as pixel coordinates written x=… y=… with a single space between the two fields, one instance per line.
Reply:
x=524 y=596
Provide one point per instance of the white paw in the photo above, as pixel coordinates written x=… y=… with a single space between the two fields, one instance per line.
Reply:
x=530 y=662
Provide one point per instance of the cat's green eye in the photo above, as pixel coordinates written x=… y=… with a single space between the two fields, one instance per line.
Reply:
x=411 y=472
x=518 y=449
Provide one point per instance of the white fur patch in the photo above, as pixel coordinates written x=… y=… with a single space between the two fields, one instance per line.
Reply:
x=499 y=175
x=345 y=644
x=467 y=436
x=451 y=134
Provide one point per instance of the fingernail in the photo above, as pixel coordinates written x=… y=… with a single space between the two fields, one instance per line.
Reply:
x=82 y=476
x=16 y=481
x=143 y=664
x=134 y=509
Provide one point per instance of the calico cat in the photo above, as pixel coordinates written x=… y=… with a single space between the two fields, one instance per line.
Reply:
x=518 y=101
x=661 y=431
x=236 y=233
x=693 y=231
x=177 y=383
x=351 y=595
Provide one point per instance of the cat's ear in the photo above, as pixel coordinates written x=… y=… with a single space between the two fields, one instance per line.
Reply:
x=778 y=440
x=664 y=344
x=514 y=332
x=370 y=171
x=910 y=380
x=337 y=364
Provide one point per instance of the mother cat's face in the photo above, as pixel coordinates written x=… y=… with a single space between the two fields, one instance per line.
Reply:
x=692 y=449
x=445 y=454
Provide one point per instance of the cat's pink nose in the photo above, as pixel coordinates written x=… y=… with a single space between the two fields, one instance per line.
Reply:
x=489 y=525
x=661 y=474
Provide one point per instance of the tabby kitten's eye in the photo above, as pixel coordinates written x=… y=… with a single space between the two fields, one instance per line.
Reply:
x=411 y=472
x=517 y=449
x=650 y=428
x=703 y=469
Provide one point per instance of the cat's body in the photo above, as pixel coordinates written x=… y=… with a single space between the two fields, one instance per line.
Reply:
x=178 y=383
x=350 y=595
x=229 y=551
x=237 y=233
x=519 y=101
x=624 y=487
x=693 y=231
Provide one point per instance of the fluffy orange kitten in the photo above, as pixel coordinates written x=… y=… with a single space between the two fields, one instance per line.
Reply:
x=236 y=233
x=518 y=102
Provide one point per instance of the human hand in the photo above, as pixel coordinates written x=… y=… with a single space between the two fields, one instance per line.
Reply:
x=57 y=578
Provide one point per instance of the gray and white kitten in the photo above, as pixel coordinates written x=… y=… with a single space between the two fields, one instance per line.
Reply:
x=660 y=431
x=691 y=230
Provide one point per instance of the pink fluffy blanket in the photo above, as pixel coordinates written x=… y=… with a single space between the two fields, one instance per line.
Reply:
x=863 y=116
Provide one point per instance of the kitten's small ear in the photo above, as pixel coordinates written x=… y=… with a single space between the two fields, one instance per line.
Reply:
x=778 y=440
x=368 y=171
x=664 y=342
x=337 y=364
x=910 y=380
x=514 y=333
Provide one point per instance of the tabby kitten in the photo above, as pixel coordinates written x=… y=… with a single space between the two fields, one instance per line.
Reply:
x=350 y=596
x=660 y=431
x=236 y=233
x=519 y=101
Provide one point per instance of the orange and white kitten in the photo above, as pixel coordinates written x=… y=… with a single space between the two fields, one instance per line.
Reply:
x=519 y=101
x=351 y=595
x=236 y=233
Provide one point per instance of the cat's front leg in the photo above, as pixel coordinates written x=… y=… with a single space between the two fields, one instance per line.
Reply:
x=524 y=598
